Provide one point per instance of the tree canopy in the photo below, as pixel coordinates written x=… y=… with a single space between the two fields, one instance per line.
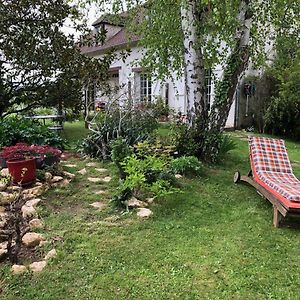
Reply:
x=40 y=65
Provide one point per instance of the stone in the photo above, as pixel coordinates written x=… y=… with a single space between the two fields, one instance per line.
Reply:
x=69 y=175
x=18 y=269
x=178 y=176
x=48 y=176
x=101 y=170
x=95 y=180
x=71 y=166
x=3 y=252
x=28 y=211
x=64 y=183
x=3 y=223
x=32 y=239
x=38 y=184
x=135 y=203
x=98 y=205
x=51 y=254
x=38 y=266
x=4 y=172
x=149 y=200
x=82 y=171
x=3 y=187
x=56 y=179
x=43 y=243
x=91 y=164
x=3 y=245
x=101 y=192
x=33 y=202
x=6 y=198
x=144 y=213
x=35 y=191
x=14 y=188
x=106 y=179
x=2 y=209
x=36 y=223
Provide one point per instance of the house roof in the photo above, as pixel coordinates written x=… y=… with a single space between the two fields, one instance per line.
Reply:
x=119 y=40
x=117 y=20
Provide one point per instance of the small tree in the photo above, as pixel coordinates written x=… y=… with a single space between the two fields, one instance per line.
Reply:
x=40 y=65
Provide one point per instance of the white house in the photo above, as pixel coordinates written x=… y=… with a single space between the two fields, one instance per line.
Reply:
x=131 y=80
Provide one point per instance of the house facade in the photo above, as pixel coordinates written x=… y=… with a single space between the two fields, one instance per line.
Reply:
x=128 y=79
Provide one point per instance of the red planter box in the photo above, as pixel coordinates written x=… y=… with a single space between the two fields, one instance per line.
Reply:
x=22 y=171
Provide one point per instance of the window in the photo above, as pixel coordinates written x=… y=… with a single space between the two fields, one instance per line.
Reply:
x=145 y=87
x=208 y=85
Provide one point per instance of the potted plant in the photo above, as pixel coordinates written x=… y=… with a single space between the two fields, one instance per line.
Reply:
x=20 y=162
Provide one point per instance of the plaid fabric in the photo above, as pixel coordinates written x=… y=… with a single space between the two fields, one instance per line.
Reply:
x=272 y=166
x=269 y=155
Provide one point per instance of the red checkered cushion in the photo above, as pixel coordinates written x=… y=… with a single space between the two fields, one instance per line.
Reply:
x=269 y=155
x=272 y=166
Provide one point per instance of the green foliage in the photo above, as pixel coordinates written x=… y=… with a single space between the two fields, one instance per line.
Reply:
x=148 y=176
x=184 y=139
x=187 y=165
x=133 y=126
x=15 y=129
x=208 y=146
x=40 y=64
x=282 y=116
x=146 y=148
x=160 y=108
x=120 y=150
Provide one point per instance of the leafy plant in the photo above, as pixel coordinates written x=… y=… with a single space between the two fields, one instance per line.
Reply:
x=187 y=165
x=282 y=116
x=132 y=125
x=147 y=176
x=15 y=130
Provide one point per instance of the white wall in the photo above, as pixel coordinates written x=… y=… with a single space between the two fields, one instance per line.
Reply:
x=177 y=95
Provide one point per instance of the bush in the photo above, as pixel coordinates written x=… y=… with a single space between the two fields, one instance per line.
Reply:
x=282 y=116
x=132 y=126
x=15 y=130
x=207 y=146
x=187 y=165
x=145 y=177
x=160 y=108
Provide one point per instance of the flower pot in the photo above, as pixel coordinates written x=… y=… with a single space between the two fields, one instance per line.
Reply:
x=22 y=171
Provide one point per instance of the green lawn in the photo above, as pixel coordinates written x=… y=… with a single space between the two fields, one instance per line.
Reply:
x=74 y=132
x=213 y=241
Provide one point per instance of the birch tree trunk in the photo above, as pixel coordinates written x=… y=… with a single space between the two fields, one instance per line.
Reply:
x=193 y=63
x=237 y=63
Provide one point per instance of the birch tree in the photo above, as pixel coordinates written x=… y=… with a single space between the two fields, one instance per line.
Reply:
x=189 y=36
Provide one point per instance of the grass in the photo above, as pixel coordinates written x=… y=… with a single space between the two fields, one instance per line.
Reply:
x=213 y=241
x=74 y=132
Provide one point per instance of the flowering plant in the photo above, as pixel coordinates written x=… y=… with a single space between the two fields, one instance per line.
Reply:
x=20 y=151
x=23 y=151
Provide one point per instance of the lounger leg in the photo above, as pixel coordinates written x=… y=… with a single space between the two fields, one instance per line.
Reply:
x=276 y=216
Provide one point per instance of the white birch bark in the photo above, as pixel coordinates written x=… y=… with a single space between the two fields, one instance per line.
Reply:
x=193 y=62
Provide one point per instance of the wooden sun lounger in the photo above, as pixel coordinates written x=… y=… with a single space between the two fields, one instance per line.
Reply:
x=282 y=206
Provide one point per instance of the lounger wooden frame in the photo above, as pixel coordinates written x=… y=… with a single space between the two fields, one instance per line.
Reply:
x=279 y=209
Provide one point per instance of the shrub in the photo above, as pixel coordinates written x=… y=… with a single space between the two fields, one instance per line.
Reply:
x=282 y=116
x=15 y=130
x=160 y=108
x=184 y=139
x=149 y=176
x=207 y=146
x=132 y=125
x=187 y=165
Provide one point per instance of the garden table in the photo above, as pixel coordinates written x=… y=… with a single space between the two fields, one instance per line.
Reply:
x=48 y=117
